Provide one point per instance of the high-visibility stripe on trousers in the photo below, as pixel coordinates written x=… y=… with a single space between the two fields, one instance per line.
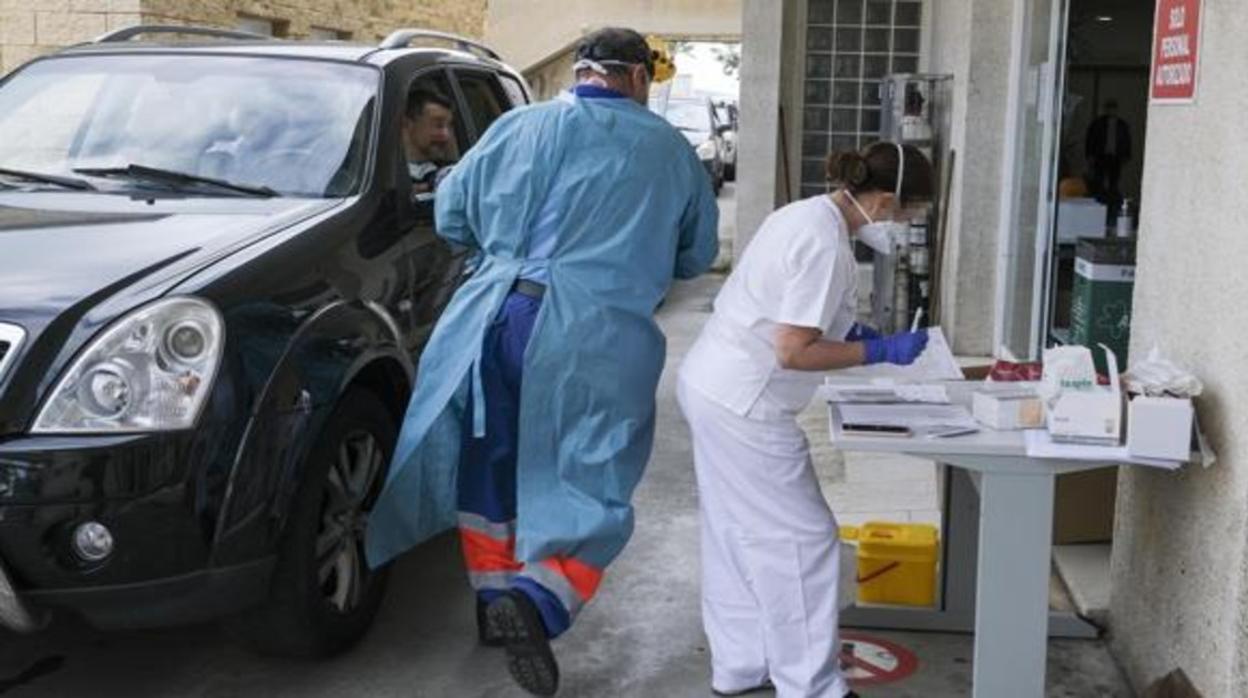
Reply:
x=487 y=486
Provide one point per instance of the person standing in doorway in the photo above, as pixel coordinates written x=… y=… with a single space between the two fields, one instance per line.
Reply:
x=534 y=410
x=1107 y=146
x=770 y=548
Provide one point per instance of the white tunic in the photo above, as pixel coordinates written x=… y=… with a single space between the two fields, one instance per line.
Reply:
x=799 y=270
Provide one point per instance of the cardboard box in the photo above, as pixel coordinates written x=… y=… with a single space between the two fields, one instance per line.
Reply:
x=1160 y=427
x=1083 y=507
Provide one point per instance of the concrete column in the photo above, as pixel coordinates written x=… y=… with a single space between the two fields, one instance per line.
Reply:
x=1180 y=564
x=758 y=145
x=971 y=40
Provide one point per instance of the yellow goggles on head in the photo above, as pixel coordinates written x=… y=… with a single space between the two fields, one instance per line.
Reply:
x=661 y=56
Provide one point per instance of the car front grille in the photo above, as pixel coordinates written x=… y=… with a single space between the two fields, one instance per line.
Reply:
x=11 y=337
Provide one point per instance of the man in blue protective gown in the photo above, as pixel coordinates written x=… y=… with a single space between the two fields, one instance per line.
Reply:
x=533 y=414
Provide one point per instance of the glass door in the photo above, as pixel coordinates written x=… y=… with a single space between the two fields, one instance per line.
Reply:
x=1030 y=174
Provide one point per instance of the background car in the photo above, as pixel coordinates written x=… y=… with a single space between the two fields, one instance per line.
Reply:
x=727 y=123
x=216 y=286
x=695 y=118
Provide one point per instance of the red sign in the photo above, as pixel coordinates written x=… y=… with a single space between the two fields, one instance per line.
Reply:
x=871 y=661
x=1176 y=50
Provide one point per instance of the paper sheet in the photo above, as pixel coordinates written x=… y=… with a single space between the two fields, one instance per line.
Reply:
x=936 y=363
x=878 y=393
x=1041 y=445
x=917 y=417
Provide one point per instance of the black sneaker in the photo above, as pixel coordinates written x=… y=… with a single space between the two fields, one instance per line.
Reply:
x=529 y=658
x=487 y=634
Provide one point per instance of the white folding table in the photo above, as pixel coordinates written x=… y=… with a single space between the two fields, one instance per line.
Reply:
x=996 y=583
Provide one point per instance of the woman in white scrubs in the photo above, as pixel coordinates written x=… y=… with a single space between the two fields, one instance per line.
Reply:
x=770 y=550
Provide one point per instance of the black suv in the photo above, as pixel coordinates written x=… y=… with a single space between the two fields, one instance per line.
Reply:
x=215 y=281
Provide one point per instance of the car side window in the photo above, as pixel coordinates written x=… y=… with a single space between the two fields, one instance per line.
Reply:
x=434 y=133
x=483 y=97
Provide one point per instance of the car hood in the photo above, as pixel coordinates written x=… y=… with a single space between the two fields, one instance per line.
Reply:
x=71 y=263
x=696 y=138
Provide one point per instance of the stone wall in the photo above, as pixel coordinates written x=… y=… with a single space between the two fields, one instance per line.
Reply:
x=363 y=20
x=31 y=27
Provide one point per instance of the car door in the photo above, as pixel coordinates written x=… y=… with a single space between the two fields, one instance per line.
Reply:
x=436 y=265
x=484 y=96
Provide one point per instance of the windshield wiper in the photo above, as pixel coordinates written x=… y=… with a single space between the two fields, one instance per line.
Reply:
x=66 y=182
x=173 y=177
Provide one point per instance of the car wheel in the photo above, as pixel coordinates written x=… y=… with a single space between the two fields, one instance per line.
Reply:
x=323 y=595
x=730 y=173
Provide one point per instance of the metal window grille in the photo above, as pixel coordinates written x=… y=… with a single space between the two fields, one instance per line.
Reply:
x=850 y=46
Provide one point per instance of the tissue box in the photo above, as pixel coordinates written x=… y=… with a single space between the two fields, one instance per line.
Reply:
x=1091 y=416
x=1087 y=417
x=1160 y=427
x=1008 y=408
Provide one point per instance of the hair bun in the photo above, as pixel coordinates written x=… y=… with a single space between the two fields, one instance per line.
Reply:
x=848 y=169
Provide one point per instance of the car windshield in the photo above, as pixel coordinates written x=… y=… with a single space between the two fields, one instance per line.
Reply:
x=689 y=116
x=297 y=127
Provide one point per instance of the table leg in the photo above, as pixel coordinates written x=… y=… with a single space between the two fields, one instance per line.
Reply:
x=1012 y=608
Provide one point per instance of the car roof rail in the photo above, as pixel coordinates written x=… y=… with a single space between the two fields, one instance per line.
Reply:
x=402 y=38
x=127 y=33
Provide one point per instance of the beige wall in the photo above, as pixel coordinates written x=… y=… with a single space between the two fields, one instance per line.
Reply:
x=31 y=27
x=1180 y=568
x=529 y=33
x=552 y=77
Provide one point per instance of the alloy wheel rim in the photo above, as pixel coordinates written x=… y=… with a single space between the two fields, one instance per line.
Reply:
x=341 y=568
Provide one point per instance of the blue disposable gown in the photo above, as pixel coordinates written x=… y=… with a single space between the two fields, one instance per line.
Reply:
x=636 y=210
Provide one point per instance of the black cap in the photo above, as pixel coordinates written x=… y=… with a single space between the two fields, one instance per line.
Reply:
x=616 y=44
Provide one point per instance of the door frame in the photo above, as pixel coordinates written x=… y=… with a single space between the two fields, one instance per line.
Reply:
x=1047 y=88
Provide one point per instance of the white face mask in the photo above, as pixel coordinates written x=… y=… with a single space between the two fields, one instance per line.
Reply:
x=882 y=236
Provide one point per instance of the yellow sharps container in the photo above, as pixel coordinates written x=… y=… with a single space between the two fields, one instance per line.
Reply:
x=896 y=562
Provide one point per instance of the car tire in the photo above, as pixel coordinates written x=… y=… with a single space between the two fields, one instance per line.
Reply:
x=321 y=605
x=730 y=173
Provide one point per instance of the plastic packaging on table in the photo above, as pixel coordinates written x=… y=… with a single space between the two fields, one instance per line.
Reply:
x=1157 y=376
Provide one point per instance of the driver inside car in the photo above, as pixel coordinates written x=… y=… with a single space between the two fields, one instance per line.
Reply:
x=428 y=139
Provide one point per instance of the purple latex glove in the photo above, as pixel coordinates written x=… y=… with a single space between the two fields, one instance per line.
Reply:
x=861 y=333
x=901 y=348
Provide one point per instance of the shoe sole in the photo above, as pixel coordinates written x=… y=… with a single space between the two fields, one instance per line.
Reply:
x=529 y=659
x=487 y=632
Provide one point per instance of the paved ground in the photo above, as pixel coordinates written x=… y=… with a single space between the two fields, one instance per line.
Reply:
x=641 y=637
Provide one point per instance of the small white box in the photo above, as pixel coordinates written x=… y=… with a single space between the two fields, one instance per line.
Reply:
x=1160 y=427
x=1008 y=408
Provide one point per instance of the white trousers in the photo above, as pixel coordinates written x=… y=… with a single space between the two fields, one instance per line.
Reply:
x=770 y=554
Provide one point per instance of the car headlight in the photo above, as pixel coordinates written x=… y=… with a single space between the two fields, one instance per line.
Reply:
x=150 y=371
x=706 y=151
